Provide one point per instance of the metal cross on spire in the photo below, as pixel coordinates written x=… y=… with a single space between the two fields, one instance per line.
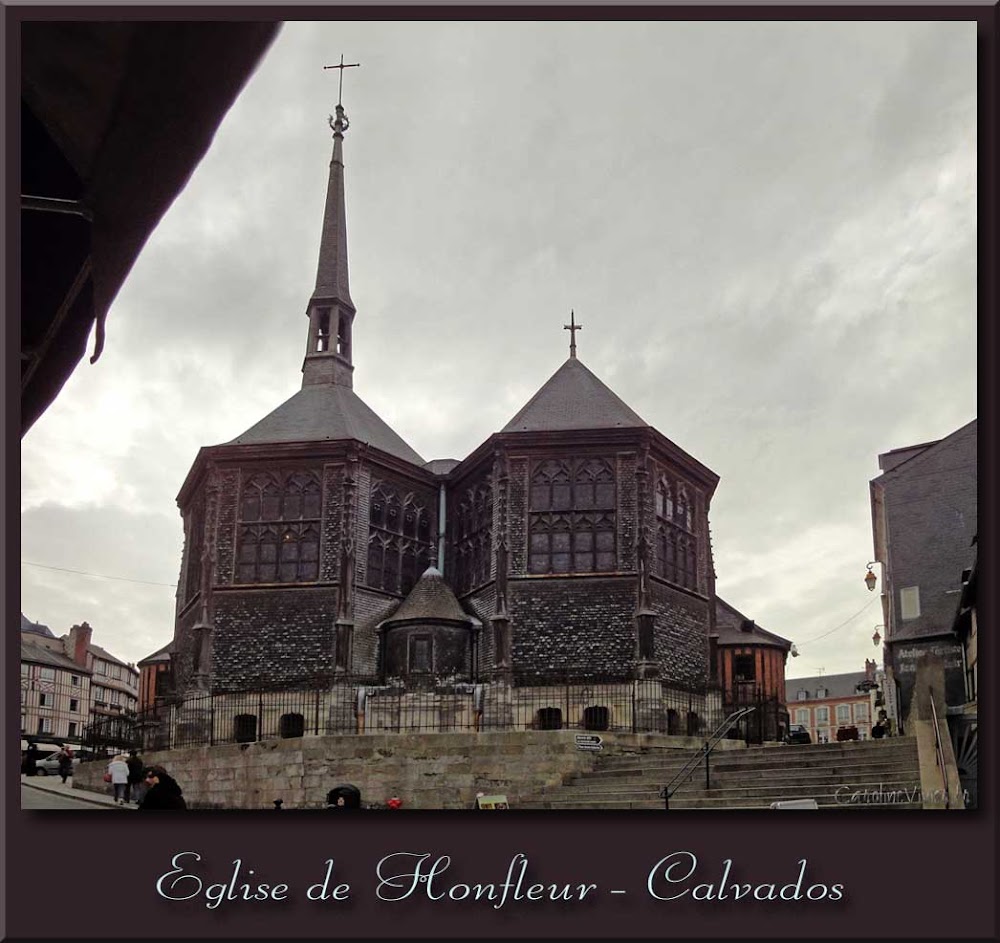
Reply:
x=572 y=327
x=341 y=66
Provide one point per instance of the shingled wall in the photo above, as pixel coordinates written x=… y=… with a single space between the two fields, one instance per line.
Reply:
x=680 y=634
x=578 y=625
x=264 y=637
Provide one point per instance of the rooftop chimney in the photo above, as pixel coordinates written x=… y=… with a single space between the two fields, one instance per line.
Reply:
x=79 y=643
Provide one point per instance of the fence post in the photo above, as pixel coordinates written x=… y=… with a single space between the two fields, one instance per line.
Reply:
x=260 y=715
x=316 y=715
x=211 y=721
x=708 y=753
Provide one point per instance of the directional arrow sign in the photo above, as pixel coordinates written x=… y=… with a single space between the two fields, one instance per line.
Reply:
x=589 y=741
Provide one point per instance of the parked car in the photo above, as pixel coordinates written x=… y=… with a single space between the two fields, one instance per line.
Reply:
x=50 y=765
x=797 y=734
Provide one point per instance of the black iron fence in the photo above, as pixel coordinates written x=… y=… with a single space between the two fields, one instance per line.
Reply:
x=363 y=706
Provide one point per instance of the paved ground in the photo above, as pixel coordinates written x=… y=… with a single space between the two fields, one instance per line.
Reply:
x=49 y=792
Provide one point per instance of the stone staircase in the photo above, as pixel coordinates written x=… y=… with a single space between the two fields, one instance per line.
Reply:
x=870 y=774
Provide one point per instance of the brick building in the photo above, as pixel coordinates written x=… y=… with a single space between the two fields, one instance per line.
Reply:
x=925 y=519
x=573 y=543
x=829 y=704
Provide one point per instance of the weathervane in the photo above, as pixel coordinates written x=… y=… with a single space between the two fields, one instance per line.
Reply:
x=341 y=124
x=572 y=327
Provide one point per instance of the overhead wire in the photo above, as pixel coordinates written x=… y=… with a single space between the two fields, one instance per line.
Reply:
x=842 y=624
x=103 y=576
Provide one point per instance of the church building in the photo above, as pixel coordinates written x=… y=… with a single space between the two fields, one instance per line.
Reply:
x=321 y=549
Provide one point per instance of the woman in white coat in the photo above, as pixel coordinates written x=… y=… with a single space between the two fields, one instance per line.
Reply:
x=118 y=771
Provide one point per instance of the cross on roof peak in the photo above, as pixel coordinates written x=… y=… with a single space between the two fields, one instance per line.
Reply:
x=572 y=327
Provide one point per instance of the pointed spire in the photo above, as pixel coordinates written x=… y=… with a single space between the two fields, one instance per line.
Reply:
x=331 y=310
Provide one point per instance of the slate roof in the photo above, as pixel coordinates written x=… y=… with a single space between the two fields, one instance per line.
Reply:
x=843 y=685
x=103 y=653
x=160 y=655
x=326 y=412
x=35 y=628
x=573 y=398
x=729 y=629
x=39 y=655
x=431 y=600
x=441 y=466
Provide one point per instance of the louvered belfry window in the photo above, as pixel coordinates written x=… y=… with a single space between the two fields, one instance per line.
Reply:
x=572 y=516
x=279 y=528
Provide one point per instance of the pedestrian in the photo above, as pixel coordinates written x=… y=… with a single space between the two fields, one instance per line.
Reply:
x=136 y=788
x=31 y=760
x=118 y=771
x=65 y=758
x=162 y=791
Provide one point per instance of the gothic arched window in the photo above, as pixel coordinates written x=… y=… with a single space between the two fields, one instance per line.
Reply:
x=664 y=500
x=390 y=567
x=676 y=540
x=376 y=554
x=472 y=536
x=581 y=538
x=409 y=571
x=279 y=529
x=682 y=512
x=195 y=542
x=399 y=542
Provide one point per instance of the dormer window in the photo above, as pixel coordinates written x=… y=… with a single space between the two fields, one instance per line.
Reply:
x=802 y=695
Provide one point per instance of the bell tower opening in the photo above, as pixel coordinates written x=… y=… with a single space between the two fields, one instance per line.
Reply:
x=323 y=331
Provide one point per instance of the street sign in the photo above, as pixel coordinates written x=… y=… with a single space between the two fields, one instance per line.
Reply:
x=491 y=802
x=589 y=741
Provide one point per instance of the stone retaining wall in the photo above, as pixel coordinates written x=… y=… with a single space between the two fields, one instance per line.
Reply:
x=427 y=771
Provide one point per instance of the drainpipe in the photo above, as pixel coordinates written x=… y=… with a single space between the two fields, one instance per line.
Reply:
x=442 y=523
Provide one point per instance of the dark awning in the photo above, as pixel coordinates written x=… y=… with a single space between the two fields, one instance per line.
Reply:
x=115 y=116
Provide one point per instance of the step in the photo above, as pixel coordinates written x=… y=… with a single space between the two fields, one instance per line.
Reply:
x=748 y=753
x=798 y=754
x=787 y=790
x=790 y=789
x=758 y=754
x=666 y=774
x=702 y=805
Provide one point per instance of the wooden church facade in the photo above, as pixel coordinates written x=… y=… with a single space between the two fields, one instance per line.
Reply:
x=573 y=543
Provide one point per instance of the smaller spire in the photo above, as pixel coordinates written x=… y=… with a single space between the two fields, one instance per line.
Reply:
x=572 y=327
x=330 y=310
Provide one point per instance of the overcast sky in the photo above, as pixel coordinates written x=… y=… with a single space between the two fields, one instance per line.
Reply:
x=768 y=231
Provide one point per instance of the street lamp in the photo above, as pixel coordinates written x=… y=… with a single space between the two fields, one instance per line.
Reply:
x=876 y=638
x=870 y=578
